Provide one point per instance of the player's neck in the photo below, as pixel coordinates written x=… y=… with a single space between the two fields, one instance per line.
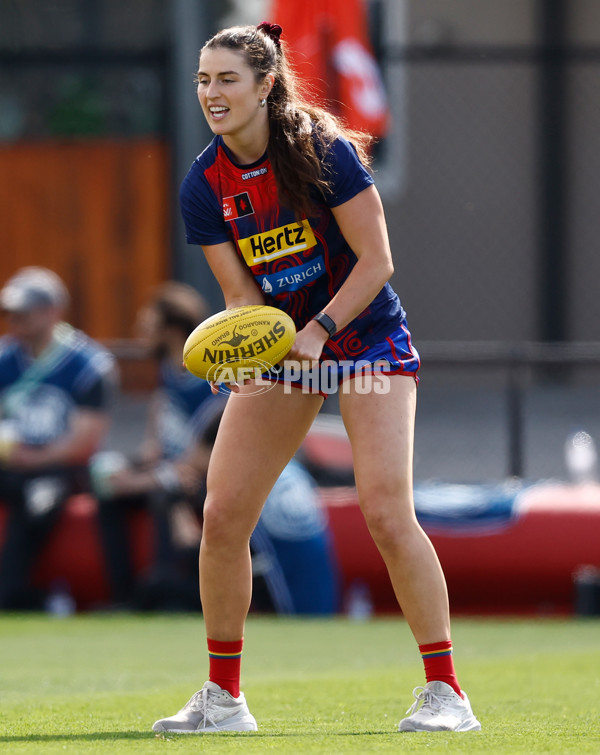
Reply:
x=246 y=151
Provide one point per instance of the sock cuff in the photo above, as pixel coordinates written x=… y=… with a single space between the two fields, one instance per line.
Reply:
x=436 y=649
x=224 y=649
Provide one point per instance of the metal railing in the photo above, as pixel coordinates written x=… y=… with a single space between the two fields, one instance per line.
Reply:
x=516 y=361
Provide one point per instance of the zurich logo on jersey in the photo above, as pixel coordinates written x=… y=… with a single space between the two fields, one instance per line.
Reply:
x=293 y=278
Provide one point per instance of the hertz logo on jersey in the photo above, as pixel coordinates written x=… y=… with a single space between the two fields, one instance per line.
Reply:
x=288 y=239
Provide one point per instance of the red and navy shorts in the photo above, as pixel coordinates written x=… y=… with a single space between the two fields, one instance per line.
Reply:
x=395 y=355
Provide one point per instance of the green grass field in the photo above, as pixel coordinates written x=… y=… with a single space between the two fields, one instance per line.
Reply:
x=97 y=683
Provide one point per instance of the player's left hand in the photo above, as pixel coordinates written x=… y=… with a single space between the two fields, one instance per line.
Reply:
x=215 y=386
x=309 y=343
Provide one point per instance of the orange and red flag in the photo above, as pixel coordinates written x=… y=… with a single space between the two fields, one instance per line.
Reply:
x=328 y=44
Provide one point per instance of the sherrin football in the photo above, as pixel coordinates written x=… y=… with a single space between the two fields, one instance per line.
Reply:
x=239 y=343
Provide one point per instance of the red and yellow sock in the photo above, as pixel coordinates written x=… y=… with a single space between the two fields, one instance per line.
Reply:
x=225 y=662
x=439 y=666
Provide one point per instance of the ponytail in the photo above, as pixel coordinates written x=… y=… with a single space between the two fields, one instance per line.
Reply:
x=300 y=134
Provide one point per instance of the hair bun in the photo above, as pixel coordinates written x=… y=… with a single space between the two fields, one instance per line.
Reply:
x=271 y=30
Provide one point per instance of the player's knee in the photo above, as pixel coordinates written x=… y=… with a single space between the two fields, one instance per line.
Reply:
x=389 y=517
x=221 y=526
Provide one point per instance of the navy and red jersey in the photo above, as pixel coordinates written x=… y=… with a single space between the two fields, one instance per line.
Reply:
x=298 y=267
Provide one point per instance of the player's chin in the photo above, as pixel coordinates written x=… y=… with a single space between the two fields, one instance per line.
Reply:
x=219 y=128
x=216 y=131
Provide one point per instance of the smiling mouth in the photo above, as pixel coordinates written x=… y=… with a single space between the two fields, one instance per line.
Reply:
x=218 y=112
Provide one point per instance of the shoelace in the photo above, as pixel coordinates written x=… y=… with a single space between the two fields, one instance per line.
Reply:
x=200 y=704
x=426 y=697
x=197 y=702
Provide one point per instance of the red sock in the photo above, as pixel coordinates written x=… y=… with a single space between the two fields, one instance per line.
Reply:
x=439 y=666
x=225 y=661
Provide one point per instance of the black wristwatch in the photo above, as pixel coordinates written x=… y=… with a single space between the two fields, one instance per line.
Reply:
x=326 y=322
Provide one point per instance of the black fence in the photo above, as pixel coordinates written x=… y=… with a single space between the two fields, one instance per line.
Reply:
x=497 y=410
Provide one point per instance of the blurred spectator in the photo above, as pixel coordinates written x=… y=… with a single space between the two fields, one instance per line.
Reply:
x=292 y=555
x=292 y=561
x=165 y=475
x=55 y=387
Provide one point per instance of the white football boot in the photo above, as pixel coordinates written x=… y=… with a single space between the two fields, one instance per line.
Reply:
x=437 y=707
x=210 y=710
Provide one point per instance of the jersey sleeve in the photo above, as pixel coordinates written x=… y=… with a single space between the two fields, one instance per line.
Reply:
x=202 y=215
x=347 y=174
x=6 y=368
x=98 y=396
x=96 y=384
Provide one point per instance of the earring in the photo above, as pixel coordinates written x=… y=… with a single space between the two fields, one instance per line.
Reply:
x=263 y=102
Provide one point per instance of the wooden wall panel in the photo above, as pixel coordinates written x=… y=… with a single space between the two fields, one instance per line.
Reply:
x=97 y=213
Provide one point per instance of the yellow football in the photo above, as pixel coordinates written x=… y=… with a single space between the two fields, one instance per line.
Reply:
x=239 y=343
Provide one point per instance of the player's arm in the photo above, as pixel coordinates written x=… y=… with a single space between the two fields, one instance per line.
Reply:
x=234 y=278
x=362 y=223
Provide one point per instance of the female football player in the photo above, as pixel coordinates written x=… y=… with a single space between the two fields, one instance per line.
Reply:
x=287 y=214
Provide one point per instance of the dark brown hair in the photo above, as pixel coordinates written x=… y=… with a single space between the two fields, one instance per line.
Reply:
x=300 y=133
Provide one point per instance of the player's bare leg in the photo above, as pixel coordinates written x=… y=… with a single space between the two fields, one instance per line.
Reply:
x=243 y=469
x=380 y=428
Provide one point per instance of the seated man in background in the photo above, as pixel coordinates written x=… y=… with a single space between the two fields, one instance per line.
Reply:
x=160 y=476
x=55 y=387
